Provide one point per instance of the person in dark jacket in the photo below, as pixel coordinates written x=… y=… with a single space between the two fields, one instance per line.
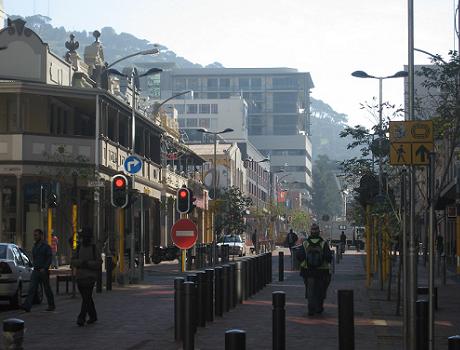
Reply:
x=87 y=261
x=291 y=240
x=343 y=241
x=315 y=259
x=41 y=257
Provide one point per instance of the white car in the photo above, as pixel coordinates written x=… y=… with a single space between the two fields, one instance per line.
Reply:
x=235 y=243
x=15 y=273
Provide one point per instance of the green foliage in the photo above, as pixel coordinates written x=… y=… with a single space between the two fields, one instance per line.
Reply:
x=326 y=193
x=231 y=211
x=300 y=221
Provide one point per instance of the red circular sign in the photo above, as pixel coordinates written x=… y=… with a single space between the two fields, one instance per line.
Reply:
x=184 y=233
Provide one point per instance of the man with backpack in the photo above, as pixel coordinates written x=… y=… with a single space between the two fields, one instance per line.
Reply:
x=314 y=262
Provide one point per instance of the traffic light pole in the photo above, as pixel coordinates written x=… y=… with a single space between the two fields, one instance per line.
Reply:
x=121 y=248
x=132 y=240
x=50 y=224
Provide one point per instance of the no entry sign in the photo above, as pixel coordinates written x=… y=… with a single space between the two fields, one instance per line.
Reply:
x=184 y=233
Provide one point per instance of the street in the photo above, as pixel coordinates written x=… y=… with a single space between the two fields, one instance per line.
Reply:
x=141 y=316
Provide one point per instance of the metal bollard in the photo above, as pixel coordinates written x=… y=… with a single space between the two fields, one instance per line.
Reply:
x=421 y=324
x=209 y=305
x=235 y=339
x=279 y=320
x=346 y=320
x=108 y=272
x=178 y=308
x=270 y=268
x=225 y=288
x=444 y=272
x=251 y=276
x=194 y=278
x=189 y=317
x=333 y=261
x=281 y=266
x=218 y=290
x=245 y=279
x=232 y=286
x=239 y=275
x=201 y=298
x=13 y=333
x=454 y=342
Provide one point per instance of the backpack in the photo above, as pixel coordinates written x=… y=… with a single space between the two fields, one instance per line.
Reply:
x=314 y=254
x=291 y=239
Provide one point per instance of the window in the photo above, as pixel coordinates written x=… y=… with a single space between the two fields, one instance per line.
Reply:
x=224 y=83
x=25 y=258
x=192 y=109
x=205 y=108
x=256 y=83
x=285 y=125
x=243 y=83
x=285 y=83
x=212 y=84
x=17 y=257
x=214 y=108
x=181 y=123
x=212 y=95
x=193 y=84
x=192 y=122
x=285 y=102
x=225 y=95
x=205 y=123
x=179 y=84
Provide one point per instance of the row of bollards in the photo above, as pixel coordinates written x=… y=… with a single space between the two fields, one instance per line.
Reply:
x=205 y=294
x=235 y=339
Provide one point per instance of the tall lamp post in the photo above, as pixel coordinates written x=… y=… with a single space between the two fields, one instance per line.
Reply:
x=362 y=74
x=135 y=87
x=214 y=186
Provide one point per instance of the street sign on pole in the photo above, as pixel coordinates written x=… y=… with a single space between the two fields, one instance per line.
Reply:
x=411 y=142
x=184 y=233
x=132 y=164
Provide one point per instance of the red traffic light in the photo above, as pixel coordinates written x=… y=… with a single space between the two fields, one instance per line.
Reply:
x=183 y=194
x=119 y=182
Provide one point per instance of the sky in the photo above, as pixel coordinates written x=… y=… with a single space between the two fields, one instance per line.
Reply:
x=327 y=38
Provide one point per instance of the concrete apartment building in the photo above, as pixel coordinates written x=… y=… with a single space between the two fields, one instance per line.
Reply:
x=278 y=102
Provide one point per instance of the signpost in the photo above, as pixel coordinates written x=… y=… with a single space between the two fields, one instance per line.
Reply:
x=132 y=165
x=411 y=142
x=184 y=234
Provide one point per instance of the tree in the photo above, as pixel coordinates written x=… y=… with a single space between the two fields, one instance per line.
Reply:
x=231 y=210
x=326 y=193
x=300 y=221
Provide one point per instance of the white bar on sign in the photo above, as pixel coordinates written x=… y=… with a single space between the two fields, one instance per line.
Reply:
x=185 y=233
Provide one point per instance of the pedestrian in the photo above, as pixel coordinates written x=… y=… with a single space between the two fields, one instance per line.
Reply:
x=54 y=250
x=291 y=240
x=254 y=240
x=41 y=256
x=315 y=259
x=343 y=242
x=87 y=261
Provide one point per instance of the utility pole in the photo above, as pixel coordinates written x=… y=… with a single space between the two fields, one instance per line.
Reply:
x=412 y=273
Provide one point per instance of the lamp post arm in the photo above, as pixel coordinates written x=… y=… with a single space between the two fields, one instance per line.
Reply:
x=126 y=57
x=157 y=107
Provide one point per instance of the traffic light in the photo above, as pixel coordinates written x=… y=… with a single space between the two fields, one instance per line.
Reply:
x=119 y=191
x=183 y=200
x=52 y=200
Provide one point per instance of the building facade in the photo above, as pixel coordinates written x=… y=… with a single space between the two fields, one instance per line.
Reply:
x=278 y=109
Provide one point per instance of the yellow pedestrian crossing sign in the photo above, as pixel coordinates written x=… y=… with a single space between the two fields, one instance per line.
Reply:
x=400 y=153
x=420 y=153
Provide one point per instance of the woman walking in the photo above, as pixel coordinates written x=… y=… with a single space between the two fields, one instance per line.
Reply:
x=87 y=261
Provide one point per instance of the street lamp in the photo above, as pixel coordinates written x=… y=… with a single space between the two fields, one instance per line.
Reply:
x=154 y=51
x=362 y=74
x=157 y=106
x=214 y=183
x=135 y=85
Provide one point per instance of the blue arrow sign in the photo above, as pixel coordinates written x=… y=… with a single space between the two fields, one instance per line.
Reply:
x=133 y=164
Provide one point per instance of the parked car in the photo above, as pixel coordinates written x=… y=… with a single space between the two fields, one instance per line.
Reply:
x=15 y=273
x=235 y=243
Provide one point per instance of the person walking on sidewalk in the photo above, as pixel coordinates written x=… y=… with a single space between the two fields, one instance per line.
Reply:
x=343 y=242
x=87 y=261
x=254 y=241
x=41 y=256
x=291 y=240
x=315 y=259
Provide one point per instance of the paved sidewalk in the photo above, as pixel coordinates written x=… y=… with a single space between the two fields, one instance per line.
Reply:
x=302 y=332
